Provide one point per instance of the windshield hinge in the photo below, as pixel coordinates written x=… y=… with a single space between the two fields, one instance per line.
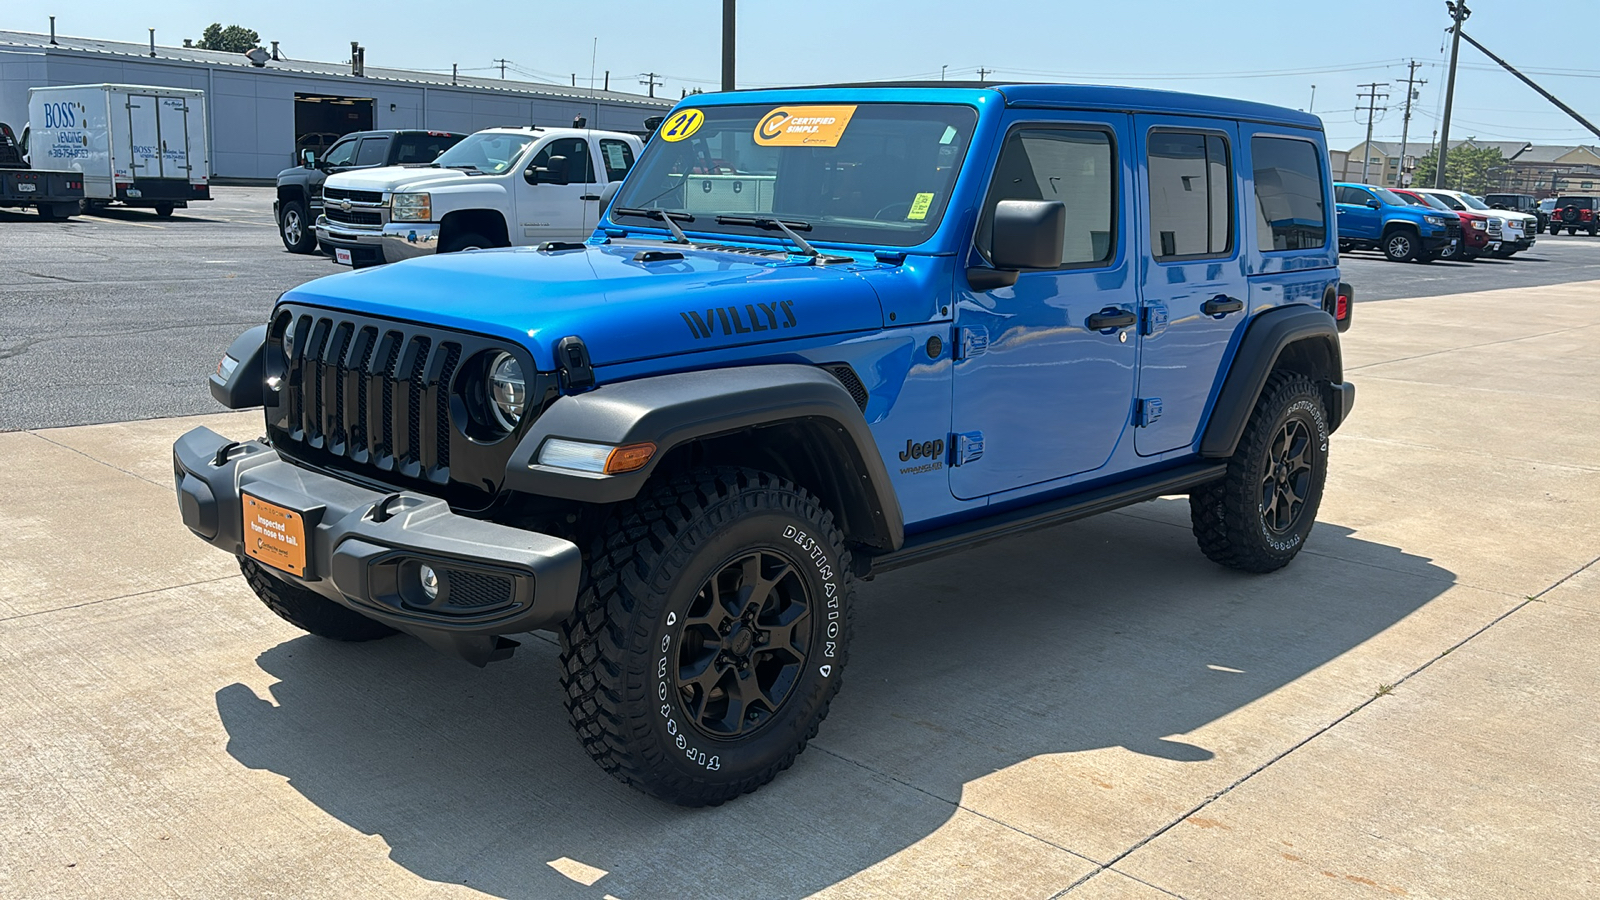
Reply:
x=572 y=362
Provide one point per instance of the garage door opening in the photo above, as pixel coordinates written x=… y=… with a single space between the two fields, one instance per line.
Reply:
x=321 y=119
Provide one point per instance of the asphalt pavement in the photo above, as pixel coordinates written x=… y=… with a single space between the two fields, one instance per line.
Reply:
x=121 y=315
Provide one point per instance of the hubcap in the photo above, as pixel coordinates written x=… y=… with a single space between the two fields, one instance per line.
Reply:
x=1287 y=480
x=745 y=640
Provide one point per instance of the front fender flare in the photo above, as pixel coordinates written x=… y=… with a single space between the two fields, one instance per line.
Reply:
x=674 y=410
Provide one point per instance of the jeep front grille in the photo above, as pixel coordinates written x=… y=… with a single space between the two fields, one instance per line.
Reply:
x=390 y=401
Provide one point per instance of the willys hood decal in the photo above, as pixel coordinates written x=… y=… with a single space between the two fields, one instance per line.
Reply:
x=627 y=301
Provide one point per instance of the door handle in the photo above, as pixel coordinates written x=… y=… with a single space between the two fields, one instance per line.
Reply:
x=1110 y=319
x=1221 y=305
x=590 y=197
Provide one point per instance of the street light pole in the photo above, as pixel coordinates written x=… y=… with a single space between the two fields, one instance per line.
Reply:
x=1458 y=13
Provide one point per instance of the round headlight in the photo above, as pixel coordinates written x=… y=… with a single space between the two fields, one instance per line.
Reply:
x=508 y=392
x=288 y=339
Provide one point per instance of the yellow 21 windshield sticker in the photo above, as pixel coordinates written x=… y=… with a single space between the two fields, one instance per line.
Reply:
x=683 y=123
x=804 y=126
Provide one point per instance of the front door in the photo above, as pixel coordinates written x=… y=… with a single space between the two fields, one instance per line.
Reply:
x=1193 y=290
x=558 y=212
x=1358 y=218
x=1047 y=395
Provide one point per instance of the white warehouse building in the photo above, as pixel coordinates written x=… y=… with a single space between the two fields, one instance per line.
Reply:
x=261 y=112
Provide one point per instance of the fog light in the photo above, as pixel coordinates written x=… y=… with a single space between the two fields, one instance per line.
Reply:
x=430 y=582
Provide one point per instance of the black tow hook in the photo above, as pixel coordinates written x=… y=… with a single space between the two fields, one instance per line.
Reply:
x=380 y=510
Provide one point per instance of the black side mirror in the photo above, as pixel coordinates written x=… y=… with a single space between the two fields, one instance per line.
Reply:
x=554 y=171
x=607 y=194
x=1027 y=234
x=1373 y=204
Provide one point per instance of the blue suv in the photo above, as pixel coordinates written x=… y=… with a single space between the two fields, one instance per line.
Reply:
x=818 y=334
x=1374 y=218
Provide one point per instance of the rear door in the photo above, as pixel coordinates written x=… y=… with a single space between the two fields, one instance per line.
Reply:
x=144 y=137
x=373 y=152
x=173 y=128
x=1193 y=289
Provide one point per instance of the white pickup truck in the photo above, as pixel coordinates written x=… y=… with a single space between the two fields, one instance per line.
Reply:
x=501 y=187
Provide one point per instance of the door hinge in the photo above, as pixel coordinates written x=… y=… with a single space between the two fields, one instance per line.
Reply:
x=1149 y=411
x=1154 y=319
x=966 y=447
x=971 y=340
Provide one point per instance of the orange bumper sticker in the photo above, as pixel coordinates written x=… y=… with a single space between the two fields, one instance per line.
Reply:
x=275 y=536
x=804 y=126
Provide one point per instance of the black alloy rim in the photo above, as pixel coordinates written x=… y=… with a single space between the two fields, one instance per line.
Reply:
x=745 y=640
x=1287 y=480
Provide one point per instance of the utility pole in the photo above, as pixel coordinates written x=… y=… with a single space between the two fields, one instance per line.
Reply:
x=982 y=72
x=1458 y=13
x=1405 y=129
x=650 y=80
x=727 y=44
x=502 y=63
x=1371 y=96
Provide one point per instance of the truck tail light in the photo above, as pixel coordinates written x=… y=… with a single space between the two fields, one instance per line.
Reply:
x=1342 y=306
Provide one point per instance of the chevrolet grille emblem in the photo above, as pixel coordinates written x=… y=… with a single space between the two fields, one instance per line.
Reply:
x=344 y=205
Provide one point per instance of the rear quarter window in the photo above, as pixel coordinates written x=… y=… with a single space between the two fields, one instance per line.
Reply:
x=1290 y=213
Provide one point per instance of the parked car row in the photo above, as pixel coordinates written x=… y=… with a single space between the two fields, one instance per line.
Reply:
x=382 y=196
x=1419 y=225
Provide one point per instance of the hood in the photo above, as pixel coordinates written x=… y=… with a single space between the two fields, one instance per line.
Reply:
x=624 y=306
x=388 y=178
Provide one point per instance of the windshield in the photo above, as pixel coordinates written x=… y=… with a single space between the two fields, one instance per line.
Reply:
x=1387 y=196
x=488 y=152
x=1412 y=200
x=869 y=173
x=1435 y=202
x=1473 y=202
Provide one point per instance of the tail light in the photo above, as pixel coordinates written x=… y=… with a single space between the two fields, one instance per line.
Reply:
x=1342 y=306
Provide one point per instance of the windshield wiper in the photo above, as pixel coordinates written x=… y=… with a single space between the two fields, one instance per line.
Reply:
x=788 y=229
x=463 y=166
x=660 y=215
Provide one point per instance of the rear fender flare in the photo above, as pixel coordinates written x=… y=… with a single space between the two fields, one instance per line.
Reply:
x=1303 y=338
x=679 y=410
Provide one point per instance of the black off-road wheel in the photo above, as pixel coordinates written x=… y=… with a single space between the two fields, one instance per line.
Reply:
x=1257 y=517
x=309 y=611
x=294 y=227
x=710 y=636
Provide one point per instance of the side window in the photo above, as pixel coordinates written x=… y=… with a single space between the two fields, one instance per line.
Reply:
x=341 y=153
x=1191 y=195
x=580 y=168
x=1289 y=211
x=617 y=157
x=374 y=151
x=1074 y=165
x=1354 y=195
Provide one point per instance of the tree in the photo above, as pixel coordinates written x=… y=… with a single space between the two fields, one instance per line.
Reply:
x=232 y=39
x=1467 y=168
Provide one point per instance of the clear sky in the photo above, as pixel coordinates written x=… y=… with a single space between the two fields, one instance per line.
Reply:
x=1267 y=50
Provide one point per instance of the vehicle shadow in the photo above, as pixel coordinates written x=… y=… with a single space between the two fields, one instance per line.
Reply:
x=1099 y=634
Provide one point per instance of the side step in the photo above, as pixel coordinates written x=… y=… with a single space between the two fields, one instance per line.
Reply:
x=966 y=535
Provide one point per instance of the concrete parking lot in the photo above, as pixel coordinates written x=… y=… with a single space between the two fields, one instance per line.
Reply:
x=1093 y=711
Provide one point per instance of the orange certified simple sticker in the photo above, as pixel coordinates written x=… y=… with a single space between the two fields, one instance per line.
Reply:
x=275 y=535
x=804 y=126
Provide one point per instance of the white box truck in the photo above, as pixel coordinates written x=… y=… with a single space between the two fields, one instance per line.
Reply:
x=135 y=144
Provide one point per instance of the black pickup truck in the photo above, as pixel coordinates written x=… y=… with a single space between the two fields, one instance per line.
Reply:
x=56 y=195
x=299 y=200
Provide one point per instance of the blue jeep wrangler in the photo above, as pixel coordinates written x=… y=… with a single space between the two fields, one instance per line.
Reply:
x=819 y=334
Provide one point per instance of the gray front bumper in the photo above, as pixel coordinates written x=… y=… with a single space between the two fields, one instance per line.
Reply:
x=363 y=552
x=393 y=242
